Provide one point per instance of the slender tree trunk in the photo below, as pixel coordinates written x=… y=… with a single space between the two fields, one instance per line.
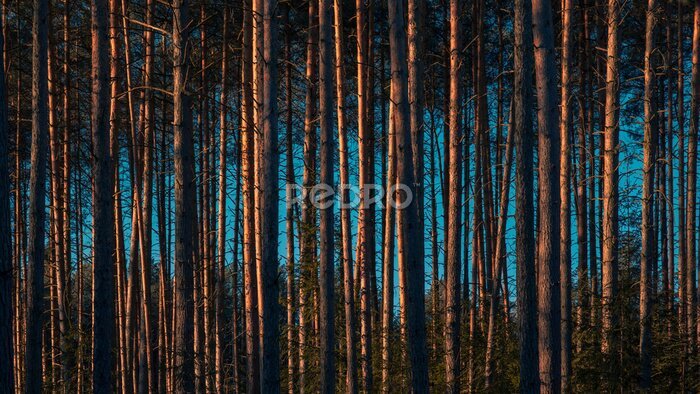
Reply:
x=682 y=244
x=247 y=175
x=548 y=251
x=691 y=227
x=408 y=216
x=307 y=274
x=6 y=267
x=454 y=225
x=610 y=189
x=270 y=376
x=345 y=213
x=524 y=210
x=365 y=222
x=289 y=219
x=326 y=228
x=40 y=125
x=500 y=254
x=388 y=257
x=185 y=230
x=647 y=259
x=565 y=133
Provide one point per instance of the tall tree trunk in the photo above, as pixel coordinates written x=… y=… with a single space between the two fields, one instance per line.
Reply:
x=37 y=187
x=270 y=375
x=408 y=231
x=682 y=244
x=524 y=206
x=548 y=250
x=6 y=267
x=650 y=140
x=326 y=228
x=610 y=186
x=565 y=133
x=454 y=225
x=345 y=213
x=307 y=272
x=103 y=215
x=185 y=230
x=247 y=174
x=691 y=227
x=365 y=222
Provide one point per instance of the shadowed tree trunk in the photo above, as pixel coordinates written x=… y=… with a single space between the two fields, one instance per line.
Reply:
x=221 y=233
x=185 y=227
x=548 y=249
x=408 y=231
x=270 y=375
x=103 y=216
x=691 y=228
x=6 y=271
x=524 y=208
x=37 y=192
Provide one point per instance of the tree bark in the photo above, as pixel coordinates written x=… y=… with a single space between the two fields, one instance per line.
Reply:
x=565 y=133
x=610 y=186
x=103 y=264
x=524 y=210
x=408 y=216
x=6 y=267
x=326 y=228
x=270 y=375
x=454 y=225
x=37 y=191
x=345 y=212
x=548 y=250
x=648 y=234
x=185 y=227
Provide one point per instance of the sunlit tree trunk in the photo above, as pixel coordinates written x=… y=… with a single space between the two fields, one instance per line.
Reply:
x=247 y=175
x=648 y=234
x=565 y=133
x=610 y=185
x=345 y=213
x=454 y=225
x=364 y=136
x=326 y=228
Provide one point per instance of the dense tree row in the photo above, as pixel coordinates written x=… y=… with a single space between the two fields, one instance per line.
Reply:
x=527 y=217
